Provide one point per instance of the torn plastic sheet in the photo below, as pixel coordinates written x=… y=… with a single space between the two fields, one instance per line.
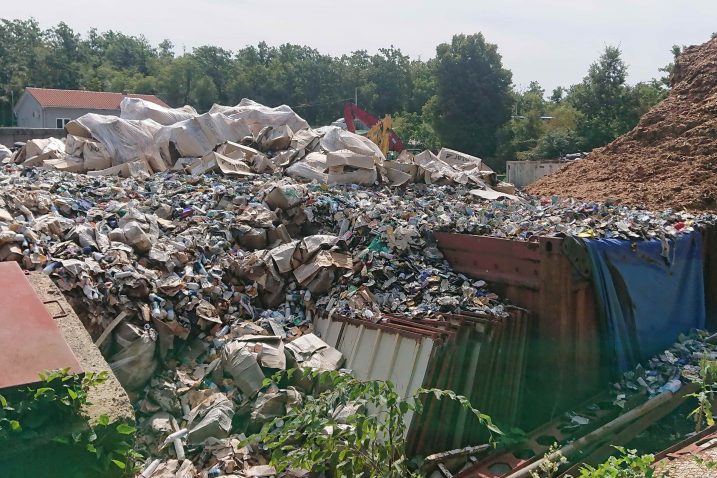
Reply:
x=139 y=109
x=257 y=116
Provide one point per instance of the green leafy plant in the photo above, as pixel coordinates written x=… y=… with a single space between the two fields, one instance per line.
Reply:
x=61 y=395
x=111 y=444
x=550 y=467
x=627 y=465
x=512 y=437
x=709 y=464
x=60 y=398
x=706 y=395
x=351 y=428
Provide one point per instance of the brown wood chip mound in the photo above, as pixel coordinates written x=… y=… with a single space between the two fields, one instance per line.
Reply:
x=669 y=160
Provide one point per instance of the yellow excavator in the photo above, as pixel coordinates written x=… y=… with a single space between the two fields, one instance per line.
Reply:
x=380 y=130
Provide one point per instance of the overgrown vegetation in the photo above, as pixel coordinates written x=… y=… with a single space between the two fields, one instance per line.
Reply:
x=463 y=98
x=61 y=397
x=552 y=464
x=57 y=403
x=111 y=444
x=703 y=414
x=627 y=464
x=350 y=428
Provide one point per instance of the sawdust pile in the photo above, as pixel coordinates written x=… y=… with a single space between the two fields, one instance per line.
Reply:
x=669 y=160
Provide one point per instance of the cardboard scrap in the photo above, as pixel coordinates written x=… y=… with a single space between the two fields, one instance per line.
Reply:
x=310 y=351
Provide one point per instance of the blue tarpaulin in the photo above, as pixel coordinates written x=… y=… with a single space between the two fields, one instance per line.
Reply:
x=648 y=293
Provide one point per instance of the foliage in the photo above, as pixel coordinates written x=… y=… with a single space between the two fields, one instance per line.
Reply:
x=705 y=396
x=60 y=399
x=627 y=465
x=590 y=114
x=555 y=144
x=552 y=463
x=607 y=104
x=350 y=428
x=316 y=85
x=648 y=94
x=411 y=127
x=462 y=98
x=539 y=129
x=676 y=51
x=111 y=445
x=473 y=96
x=510 y=438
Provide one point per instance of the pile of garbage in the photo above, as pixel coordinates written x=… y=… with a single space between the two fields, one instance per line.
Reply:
x=198 y=249
x=668 y=371
x=197 y=287
x=668 y=159
x=242 y=141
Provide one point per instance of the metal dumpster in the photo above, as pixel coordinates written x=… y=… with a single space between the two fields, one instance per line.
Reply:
x=564 y=351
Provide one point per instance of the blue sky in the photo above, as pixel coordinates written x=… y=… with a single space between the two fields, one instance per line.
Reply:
x=551 y=41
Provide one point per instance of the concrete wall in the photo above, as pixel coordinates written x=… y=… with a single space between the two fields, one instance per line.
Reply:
x=51 y=114
x=523 y=173
x=9 y=136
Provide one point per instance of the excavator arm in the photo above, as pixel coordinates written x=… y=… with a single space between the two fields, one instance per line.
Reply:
x=380 y=131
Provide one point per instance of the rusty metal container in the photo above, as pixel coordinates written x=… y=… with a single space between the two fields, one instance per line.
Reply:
x=565 y=363
x=30 y=340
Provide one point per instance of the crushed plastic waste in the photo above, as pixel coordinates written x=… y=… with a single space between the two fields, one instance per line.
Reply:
x=199 y=275
x=667 y=371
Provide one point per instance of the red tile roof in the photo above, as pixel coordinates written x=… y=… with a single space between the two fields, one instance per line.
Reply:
x=96 y=100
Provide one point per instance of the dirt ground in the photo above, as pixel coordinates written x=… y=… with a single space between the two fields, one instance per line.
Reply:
x=669 y=160
x=691 y=466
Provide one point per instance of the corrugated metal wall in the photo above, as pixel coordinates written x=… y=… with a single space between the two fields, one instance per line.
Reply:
x=379 y=352
x=478 y=356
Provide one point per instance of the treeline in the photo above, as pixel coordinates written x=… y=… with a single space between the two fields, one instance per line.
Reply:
x=463 y=98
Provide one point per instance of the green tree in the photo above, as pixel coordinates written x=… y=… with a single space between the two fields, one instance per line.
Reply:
x=423 y=81
x=166 y=50
x=607 y=105
x=390 y=72
x=473 y=97
x=20 y=42
x=676 y=51
x=216 y=64
x=526 y=126
x=558 y=94
x=62 y=58
x=556 y=143
x=413 y=130
x=648 y=94
x=563 y=116
x=177 y=79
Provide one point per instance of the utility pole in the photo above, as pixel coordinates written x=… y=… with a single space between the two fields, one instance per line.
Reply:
x=356 y=96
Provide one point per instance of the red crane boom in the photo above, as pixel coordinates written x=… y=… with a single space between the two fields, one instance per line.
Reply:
x=351 y=112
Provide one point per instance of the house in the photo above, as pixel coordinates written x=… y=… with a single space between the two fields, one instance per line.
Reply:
x=49 y=108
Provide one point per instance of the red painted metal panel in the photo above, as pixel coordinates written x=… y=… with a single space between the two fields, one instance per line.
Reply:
x=30 y=341
x=564 y=346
